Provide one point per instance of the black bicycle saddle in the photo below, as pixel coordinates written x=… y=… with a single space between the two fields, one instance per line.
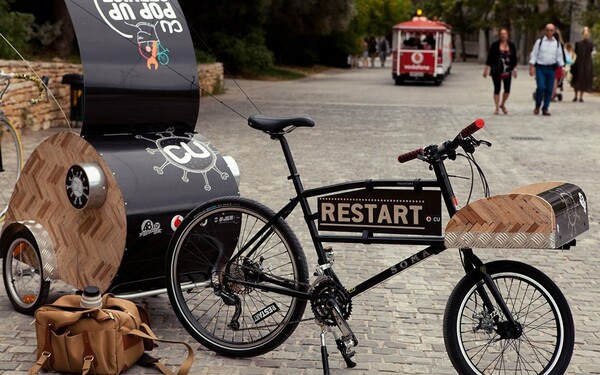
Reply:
x=271 y=124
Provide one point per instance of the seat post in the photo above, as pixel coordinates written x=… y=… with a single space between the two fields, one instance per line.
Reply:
x=287 y=152
x=295 y=177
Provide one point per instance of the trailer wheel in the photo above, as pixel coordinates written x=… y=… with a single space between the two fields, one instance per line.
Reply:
x=23 y=275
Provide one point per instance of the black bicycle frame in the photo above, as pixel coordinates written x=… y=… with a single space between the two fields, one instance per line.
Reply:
x=435 y=244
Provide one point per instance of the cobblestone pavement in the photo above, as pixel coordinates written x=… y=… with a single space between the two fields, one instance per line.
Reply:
x=363 y=123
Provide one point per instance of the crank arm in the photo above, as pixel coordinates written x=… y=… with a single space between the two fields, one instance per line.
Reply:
x=348 y=339
x=339 y=319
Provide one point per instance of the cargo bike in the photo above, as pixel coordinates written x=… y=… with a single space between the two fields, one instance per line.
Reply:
x=246 y=289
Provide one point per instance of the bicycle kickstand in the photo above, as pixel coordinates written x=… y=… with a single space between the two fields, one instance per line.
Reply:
x=324 y=354
x=342 y=346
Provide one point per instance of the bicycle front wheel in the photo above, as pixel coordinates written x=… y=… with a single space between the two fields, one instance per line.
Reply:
x=479 y=341
x=222 y=243
x=11 y=163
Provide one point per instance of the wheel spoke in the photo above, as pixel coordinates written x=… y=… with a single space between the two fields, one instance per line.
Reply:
x=228 y=316
x=485 y=340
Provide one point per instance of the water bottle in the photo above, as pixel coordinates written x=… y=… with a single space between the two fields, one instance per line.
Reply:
x=91 y=298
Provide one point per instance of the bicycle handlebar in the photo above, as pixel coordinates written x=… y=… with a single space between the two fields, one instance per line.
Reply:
x=408 y=156
x=41 y=85
x=448 y=145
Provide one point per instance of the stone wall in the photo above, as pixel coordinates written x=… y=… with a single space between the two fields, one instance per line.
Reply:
x=47 y=114
x=211 y=78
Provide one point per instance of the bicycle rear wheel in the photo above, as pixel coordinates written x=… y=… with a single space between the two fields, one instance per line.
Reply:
x=480 y=342
x=215 y=247
x=11 y=163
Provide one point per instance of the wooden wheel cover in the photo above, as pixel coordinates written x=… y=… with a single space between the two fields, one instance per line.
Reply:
x=89 y=243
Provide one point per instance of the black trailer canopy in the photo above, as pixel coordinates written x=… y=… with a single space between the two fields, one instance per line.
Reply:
x=139 y=67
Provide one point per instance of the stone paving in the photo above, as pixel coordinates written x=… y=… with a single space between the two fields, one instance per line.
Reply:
x=363 y=122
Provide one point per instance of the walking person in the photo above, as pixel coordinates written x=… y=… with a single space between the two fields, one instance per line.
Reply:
x=501 y=65
x=570 y=59
x=372 y=49
x=384 y=49
x=546 y=56
x=365 y=54
x=559 y=73
x=582 y=69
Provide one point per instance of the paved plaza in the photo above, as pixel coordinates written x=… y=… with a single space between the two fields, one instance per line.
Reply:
x=363 y=121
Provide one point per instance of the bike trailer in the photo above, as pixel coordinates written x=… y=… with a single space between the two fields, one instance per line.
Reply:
x=102 y=206
x=422 y=50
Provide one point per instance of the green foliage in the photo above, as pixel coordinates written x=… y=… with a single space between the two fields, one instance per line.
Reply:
x=47 y=33
x=17 y=28
x=596 y=58
x=244 y=55
x=203 y=57
x=377 y=17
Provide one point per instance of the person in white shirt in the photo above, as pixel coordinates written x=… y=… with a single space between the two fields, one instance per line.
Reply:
x=545 y=57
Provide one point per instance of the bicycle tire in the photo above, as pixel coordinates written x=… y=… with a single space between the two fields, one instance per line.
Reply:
x=23 y=275
x=471 y=334
x=221 y=227
x=11 y=162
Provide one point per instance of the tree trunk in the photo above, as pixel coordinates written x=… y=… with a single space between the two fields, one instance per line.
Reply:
x=463 y=47
x=64 y=44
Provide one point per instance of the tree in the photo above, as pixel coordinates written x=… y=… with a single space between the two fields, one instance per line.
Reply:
x=302 y=31
x=16 y=27
x=375 y=17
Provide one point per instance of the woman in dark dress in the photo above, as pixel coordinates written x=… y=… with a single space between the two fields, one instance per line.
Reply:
x=501 y=65
x=582 y=70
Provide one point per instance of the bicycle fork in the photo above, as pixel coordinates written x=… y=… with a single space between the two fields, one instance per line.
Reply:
x=511 y=329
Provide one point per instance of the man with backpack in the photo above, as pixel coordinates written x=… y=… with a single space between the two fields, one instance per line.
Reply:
x=546 y=56
x=384 y=49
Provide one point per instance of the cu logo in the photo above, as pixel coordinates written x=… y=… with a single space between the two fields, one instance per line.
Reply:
x=417 y=58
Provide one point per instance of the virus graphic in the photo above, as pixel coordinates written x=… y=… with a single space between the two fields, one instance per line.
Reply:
x=571 y=208
x=186 y=153
x=78 y=188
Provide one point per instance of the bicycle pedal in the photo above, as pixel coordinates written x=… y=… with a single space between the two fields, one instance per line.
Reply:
x=345 y=345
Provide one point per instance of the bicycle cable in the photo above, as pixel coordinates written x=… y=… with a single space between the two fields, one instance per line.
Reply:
x=191 y=82
x=40 y=79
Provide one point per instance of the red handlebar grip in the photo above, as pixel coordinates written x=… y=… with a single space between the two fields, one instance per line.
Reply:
x=475 y=125
x=410 y=155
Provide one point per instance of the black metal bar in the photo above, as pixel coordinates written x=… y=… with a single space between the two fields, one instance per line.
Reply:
x=446 y=187
x=395 y=269
x=487 y=278
x=295 y=177
x=266 y=230
x=470 y=263
x=305 y=296
x=385 y=240
x=352 y=185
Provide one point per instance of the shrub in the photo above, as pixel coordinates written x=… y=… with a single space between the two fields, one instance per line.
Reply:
x=595 y=31
x=203 y=57
x=17 y=28
x=243 y=55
